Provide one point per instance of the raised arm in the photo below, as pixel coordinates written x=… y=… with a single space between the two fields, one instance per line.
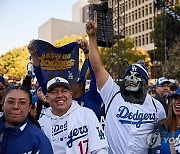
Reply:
x=37 y=68
x=32 y=50
x=100 y=73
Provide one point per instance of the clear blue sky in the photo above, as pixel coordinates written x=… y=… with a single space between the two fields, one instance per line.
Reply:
x=20 y=19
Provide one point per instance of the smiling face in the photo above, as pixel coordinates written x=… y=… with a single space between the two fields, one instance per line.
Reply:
x=16 y=106
x=176 y=105
x=59 y=99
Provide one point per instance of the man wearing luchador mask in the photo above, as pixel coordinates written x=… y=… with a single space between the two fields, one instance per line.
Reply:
x=133 y=113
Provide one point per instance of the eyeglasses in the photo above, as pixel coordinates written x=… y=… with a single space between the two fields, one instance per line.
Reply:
x=21 y=103
x=164 y=86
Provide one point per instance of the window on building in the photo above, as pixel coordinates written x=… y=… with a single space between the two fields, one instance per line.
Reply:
x=150 y=23
x=150 y=8
x=139 y=26
x=146 y=10
x=136 y=28
x=126 y=6
x=147 y=40
x=135 y=14
x=135 y=2
x=143 y=27
x=132 y=29
x=139 y=41
x=142 y=11
x=139 y=13
x=126 y=32
x=129 y=17
x=146 y=24
x=143 y=40
x=132 y=3
x=129 y=30
x=136 y=44
x=129 y=5
x=126 y=19
x=132 y=15
x=139 y=2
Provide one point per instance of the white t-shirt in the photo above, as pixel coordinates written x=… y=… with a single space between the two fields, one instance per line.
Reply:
x=128 y=125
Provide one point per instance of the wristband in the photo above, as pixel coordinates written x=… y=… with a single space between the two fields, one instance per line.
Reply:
x=86 y=52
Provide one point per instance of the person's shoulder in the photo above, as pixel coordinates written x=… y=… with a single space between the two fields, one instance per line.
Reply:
x=157 y=102
x=35 y=131
x=86 y=111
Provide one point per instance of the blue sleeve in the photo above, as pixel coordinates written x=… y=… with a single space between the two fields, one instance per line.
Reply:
x=93 y=86
x=40 y=78
x=44 y=146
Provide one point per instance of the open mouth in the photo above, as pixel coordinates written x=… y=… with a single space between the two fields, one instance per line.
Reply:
x=177 y=107
x=60 y=102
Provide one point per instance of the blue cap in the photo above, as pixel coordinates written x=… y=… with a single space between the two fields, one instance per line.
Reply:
x=176 y=94
x=162 y=80
x=2 y=80
x=140 y=68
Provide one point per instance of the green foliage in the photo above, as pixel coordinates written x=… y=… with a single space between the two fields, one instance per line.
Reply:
x=14 y=62
x=166 y=30
x=122 y=54
x=171 y=68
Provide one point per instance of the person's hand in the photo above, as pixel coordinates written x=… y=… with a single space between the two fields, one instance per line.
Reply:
x=83 y=44
x=91 y=26
x=32 y=50
x=41 y=95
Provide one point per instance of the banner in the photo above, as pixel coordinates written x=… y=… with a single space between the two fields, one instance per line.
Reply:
x=62 y=61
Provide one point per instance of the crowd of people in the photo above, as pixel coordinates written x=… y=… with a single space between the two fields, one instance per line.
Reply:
x=60 y=118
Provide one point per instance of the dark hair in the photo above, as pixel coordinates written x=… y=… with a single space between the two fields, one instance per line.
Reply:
x=30 y=117
x=11 y=88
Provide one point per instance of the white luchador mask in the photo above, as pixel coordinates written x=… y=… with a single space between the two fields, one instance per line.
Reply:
x=133 y=81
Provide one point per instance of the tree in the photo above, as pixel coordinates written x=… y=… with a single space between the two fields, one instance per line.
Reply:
x=171 y=68
x=13 y=63
x=117 y=59
x=166 y=30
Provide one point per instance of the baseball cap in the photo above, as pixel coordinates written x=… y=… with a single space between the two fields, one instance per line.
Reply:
x=140 y=68
x=2 y=80
x=57 y=81
x=162 y=80
x=176 y=94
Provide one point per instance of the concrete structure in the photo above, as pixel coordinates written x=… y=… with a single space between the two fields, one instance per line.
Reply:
x=55 y=29
x=80 y=11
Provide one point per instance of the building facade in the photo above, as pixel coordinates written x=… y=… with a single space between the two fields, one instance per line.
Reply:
x=135 y=20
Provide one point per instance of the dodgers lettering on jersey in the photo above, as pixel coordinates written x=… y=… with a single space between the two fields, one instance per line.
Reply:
x=101 y=133
x=57 y=131
x=76 y=134
x=138 y=118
